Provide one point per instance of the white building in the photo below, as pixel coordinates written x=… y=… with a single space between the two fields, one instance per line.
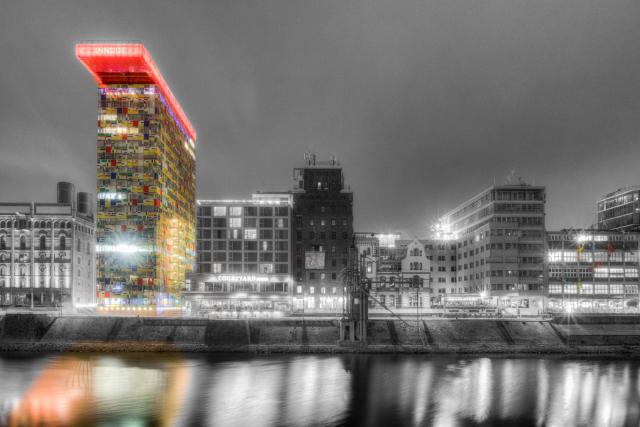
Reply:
x=47 y=252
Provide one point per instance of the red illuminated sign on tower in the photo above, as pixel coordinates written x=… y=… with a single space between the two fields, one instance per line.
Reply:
x=129 y=63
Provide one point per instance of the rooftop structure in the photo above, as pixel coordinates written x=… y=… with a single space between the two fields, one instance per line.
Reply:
x=130 y=63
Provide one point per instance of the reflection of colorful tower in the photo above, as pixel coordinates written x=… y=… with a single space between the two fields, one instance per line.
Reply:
x=145 y=177
x=83 y=390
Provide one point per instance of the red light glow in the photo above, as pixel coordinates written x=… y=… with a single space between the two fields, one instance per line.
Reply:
x=129 y=63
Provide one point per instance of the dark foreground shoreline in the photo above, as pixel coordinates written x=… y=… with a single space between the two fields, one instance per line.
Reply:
x=597 y=352
x=599 y=337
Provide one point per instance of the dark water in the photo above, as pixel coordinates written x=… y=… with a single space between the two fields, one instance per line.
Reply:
x=187 y=390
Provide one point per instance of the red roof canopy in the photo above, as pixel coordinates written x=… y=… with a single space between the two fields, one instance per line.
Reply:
x=129 y=63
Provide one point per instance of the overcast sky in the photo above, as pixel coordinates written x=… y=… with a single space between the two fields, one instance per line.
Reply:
x=425 y=103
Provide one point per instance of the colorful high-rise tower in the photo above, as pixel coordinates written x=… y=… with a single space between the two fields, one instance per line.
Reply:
x=146 y=179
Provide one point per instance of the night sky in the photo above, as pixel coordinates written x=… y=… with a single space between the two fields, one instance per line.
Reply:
x=425 y=103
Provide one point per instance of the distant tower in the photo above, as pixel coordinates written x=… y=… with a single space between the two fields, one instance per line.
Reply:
x=145 y=178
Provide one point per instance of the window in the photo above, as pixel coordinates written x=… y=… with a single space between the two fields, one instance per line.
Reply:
x=266 y=222
x=217 y=268
x=63 y=243
x=266 y=268
x=323 y=290
x=299 y=289
x=219 y=211
x=43 y=242
x=235 y=222
x=23 y=243
x=312 y=289
x=235 y=211
x=219 y=222
x=250 y=233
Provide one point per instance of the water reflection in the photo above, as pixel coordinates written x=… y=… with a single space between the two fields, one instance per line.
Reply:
x=161 y=389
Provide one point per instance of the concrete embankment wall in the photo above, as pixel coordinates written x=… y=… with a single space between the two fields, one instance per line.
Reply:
x=34 y=332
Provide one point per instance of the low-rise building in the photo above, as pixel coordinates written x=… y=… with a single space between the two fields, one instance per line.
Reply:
x=398 y=272
x=47 y=252
x=593 y=271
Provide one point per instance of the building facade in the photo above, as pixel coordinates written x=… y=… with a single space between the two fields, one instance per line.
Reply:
x=145 y=180
x=398 y=272
x=244 y=262
x=322 y=235
x=47 y=252
x=620 y=210
x=500 y=247
x=593 y=271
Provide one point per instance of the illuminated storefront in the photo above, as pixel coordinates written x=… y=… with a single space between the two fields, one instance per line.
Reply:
x=243 y=266
x=145 y=180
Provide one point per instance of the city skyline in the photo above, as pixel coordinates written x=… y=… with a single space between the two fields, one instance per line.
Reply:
x=271 y=82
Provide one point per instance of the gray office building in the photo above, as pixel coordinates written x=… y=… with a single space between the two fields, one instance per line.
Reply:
x=500 y=241
x=243 y=266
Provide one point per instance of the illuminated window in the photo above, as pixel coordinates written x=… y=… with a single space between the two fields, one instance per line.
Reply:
x=334 y=290
x=299 y=289
x=601 y=289
x=266 y=268
x=616 y=289
x=555 y=256
x=219 y=211
x=312 y=289
x=322 y=276
x=555 y=289
x=323 y=290
x=235 y=222
x=235 y=211
x=249 y=233
x=217 y=268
